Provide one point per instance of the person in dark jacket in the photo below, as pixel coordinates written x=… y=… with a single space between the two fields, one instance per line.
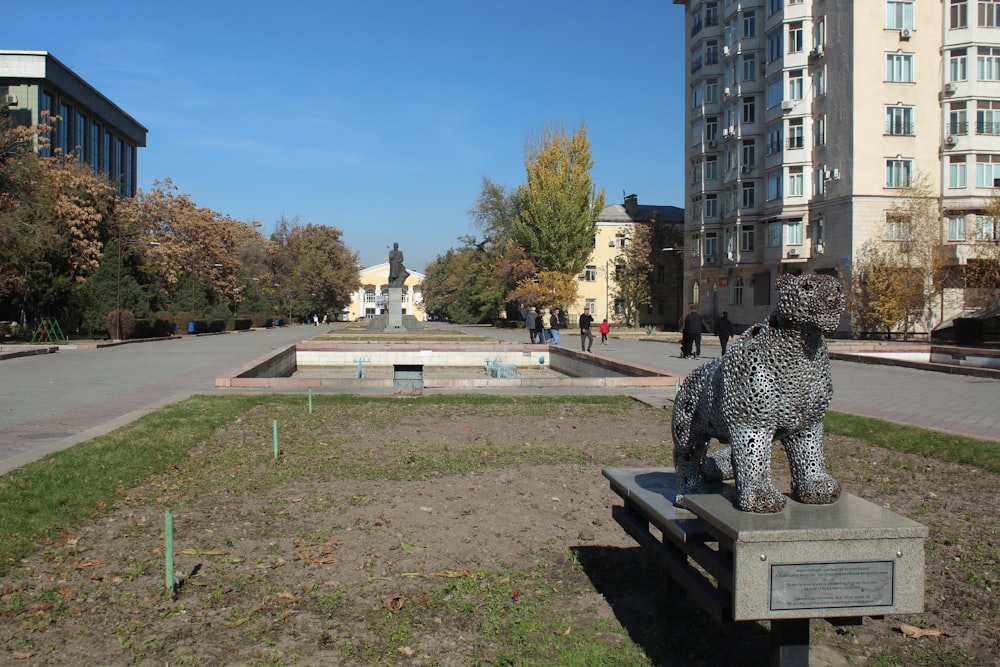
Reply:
x=586 y=337
x=530 y=320
x=555 y=324
x=693 y=325
x=724 y=330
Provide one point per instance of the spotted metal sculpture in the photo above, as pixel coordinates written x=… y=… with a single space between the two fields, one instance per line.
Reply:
x=772 y=384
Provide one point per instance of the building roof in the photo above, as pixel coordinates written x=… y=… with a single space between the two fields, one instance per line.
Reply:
x=20 y=67
x=632 y=211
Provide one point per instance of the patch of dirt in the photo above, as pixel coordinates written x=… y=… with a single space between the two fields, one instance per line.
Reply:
x=309 y=570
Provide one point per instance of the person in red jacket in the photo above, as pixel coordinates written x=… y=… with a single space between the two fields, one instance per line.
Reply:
x=605 y=330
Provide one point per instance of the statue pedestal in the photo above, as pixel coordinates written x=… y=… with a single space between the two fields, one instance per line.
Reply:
x=395 y=310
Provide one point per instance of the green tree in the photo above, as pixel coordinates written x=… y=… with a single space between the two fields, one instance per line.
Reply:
x=323 y=271
x=633 y=267
x=455 y=285
x=559 y=204
x=881 y=295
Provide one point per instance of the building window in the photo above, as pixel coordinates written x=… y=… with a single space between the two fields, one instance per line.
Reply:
x=988 y=117
x=774 y=185
x=620 y=240
x=958 y=14
x=958 y=119
x=819 y=227
x=795 y=85
x=696 y=170
x=749 y=110
x=898 y=173
x=793 y=232
x=899 y=15
x=899 y=120
x=590 y=273
x=773 y=139
x=773 y=7
x=899 y=67
x=795 y=37
x=711 y=168
x=712 y=128
x=696 y=59
x=774 y=234
x=796 y=182
x=987 y=228
x=956 y=228
x=897 y=228
x=746 y=238
x=591 y=304
x=819 y=130
x=712 y=52
x=987 y=171
x=711 y=246
x=775 y=91
x=988 y=63
x=774 y=42
x=712 y=206
x=749 y=23
x=956 y=171
x=819 y=82
x=749 y=195
x=94 y=147
x=989 y=14
x=711 y=91
x=958 y=65
x=737 y=291
x=749 y=152
x=749 y=66
x=711 y=14
x=796 y=133
x=696 y=96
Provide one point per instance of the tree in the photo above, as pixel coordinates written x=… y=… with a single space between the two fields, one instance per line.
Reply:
x=911 y=243
x=455 y=285
x=982 y=265
x=559 y=203
x=881 y=295
x=549 y=289
x=632 y=271
x=321 y=270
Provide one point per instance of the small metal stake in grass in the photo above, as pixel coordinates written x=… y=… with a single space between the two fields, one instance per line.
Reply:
x=168 y=550
x=310 y=400
x=275 y=438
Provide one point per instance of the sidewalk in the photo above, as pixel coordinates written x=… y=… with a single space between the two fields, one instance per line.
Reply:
x=953 y=403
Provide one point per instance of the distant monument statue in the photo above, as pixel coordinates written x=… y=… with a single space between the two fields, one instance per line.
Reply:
x=397 y=272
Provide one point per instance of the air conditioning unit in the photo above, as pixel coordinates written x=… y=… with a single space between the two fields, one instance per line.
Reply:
x=746 y=169
x=817 y=52
x=725 y=132
x=819 y=248
x=727 y=91
x=826 y=175
x=611 y=243
x=949 y=88
x=949 y=140
x=787 y=105
x=725 y=50
x=905 y=33
x=10 y=100
x=710 y=143
x=793 y=252
x=732 y=130
x=710 y=259
x=835 y=174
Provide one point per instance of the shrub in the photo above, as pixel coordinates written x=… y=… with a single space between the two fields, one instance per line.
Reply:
x=122 y=322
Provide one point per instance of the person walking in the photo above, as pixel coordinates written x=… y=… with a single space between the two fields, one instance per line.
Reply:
x=605 y=330
x=724 y=330
x=530 y=320
x=546 y=319
x=555 y=324
x=586 y=338
x=693 y=325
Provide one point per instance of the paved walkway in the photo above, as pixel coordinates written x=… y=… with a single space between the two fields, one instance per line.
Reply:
x=55 y=401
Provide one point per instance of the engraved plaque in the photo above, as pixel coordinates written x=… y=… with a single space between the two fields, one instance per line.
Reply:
x=831 y=585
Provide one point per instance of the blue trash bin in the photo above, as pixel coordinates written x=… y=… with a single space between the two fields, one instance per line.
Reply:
x=190 y=327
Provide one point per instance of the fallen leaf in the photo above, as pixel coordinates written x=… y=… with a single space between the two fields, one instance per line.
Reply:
x=201 y=552
x=88 y=563
x=23 y=655
x=918 y=633
x=406 y=651
x=287 y=598
x=393 y=603
x=410 y=548
x=563 y=633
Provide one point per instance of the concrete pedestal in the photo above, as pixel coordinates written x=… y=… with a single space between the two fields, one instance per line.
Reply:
x=395 y=310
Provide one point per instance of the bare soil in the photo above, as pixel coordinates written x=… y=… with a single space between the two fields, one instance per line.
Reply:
x=317 y=563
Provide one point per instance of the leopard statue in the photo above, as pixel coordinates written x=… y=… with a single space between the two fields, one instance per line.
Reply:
x=772 y=384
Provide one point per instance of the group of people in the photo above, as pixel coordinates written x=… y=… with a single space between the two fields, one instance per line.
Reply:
x=544 y=327
x=695 y=325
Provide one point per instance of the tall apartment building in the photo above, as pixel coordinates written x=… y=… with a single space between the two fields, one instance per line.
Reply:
x=34 y=84
x=807 y=118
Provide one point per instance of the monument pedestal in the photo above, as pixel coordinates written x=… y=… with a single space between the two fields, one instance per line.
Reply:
x=841 y=561
x=395 y=310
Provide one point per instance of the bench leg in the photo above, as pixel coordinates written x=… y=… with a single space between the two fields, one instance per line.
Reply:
x=790 y=643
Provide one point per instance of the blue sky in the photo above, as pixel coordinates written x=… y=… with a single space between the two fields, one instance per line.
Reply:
x=379 y=117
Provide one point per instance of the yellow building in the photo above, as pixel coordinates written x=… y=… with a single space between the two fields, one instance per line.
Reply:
x=598 y=288
x=372 y=297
